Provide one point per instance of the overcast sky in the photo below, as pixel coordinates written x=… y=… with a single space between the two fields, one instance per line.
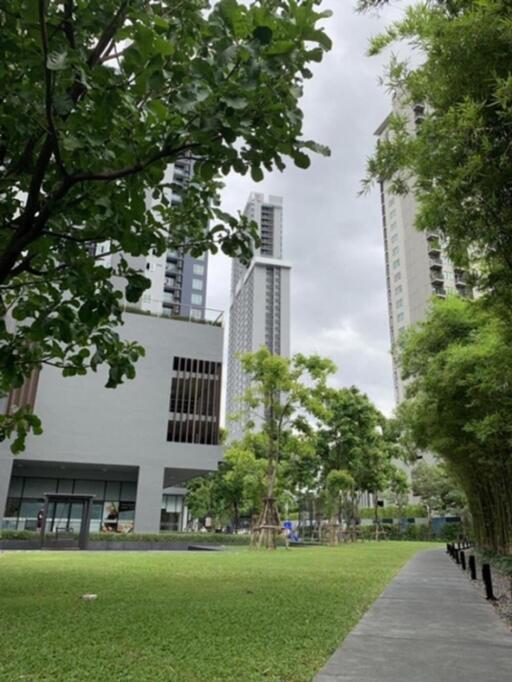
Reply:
x=333 y=237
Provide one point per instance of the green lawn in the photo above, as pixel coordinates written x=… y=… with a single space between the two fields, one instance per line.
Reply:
x=183 y=617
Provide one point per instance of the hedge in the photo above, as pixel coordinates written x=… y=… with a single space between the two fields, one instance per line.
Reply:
x=188 y=538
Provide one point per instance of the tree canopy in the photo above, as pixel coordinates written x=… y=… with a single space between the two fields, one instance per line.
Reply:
x=98 y=98
x=356 y=451
x=458 y=369
x=438 y=490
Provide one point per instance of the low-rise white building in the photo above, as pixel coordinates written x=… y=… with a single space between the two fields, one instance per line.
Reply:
x=132 y=447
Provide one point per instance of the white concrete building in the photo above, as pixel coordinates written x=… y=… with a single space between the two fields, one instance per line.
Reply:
x=417 y=267
x=259 y=313
x=132 y=447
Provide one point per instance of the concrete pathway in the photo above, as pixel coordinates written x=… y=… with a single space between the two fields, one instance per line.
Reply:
x=430 y=625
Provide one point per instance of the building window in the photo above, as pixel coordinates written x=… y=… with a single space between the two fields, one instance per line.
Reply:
x=396 y=263
x=397 y=276
x=400 y=317
x=392 y=227
x=194 y=406
x=394 y=238
x=196 y=299
x=400 y=303
x=398 y=290
x=395 y=251
x=198 y=269
x=197 y=284
x=26 y=498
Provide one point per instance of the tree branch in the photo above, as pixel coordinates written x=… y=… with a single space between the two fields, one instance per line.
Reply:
x=68 y=23
x=49 y=86
x=108 y=34
x=108 y=176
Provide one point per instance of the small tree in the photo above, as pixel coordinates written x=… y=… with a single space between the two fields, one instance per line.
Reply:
x=280 y=389
x=338 y=485
x=241 y=481
x=353 y=438
x=439 y=492
x=203 y=498
x=399 y=492
x=233 y=491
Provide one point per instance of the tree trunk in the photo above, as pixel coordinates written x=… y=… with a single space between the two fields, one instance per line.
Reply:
x=376 y=514
x=269 y=524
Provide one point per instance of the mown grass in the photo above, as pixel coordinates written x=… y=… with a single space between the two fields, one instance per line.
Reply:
x=185 y=617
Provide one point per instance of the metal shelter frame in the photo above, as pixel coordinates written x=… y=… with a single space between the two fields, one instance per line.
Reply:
x=83 y=538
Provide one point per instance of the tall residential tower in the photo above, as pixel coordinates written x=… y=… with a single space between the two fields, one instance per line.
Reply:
x=260 y=300
x=178 y=280
x=417 y=267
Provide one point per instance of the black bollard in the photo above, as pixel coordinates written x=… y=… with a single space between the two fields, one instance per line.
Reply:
x=486 y=577
x=472 y=566
x=457 y=560
x=447 y=548
x=463 y=560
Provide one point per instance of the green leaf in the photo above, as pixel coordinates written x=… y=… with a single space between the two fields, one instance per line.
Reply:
x=235 y=102
x=161 y=22
x=206 y=170
x=301 y=160
x=315 y=55
x=256 y=173
x=136 y=286
x=263 y=34
x=319 y=37
x=159 y=109
x=316 y=147
x=281 y=47
x=163 y=46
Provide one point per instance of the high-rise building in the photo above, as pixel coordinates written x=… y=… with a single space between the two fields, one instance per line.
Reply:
x=259 y=313
x=417 y=267
x=178 y=280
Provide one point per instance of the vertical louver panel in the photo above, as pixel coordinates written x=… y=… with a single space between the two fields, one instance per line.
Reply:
x=194 y=405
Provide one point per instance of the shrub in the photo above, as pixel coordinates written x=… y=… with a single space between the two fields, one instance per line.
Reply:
x=451 y=531
x=18 y=535
x=186 y=538
x=411 y=510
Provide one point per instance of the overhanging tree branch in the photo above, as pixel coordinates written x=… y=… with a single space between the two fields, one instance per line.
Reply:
x=49 y=87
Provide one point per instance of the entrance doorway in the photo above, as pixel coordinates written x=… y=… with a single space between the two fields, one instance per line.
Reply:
x=65 y=521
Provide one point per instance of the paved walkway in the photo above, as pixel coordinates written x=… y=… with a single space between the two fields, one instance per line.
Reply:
x=430 y=625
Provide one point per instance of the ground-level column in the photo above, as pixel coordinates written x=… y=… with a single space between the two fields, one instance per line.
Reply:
x=149 y=499
x=5 y=479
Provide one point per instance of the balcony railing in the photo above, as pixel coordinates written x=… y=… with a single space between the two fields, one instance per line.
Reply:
x=434 y=247
x=185 y=313
x=436 y=277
